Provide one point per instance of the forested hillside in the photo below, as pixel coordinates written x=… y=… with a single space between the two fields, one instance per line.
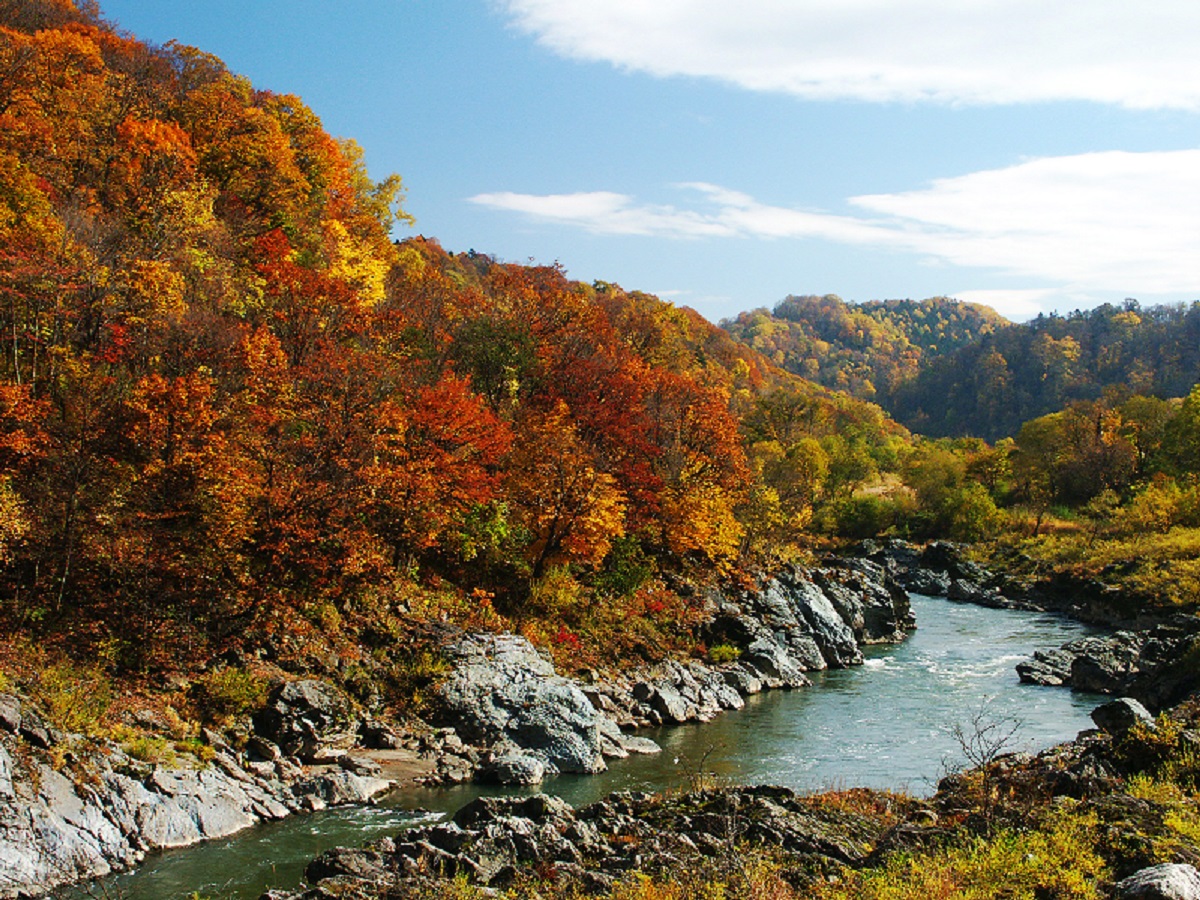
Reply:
x=236 y=415
x=992 y=385
x=232 y=410
x=867 y=349
x=946 y=368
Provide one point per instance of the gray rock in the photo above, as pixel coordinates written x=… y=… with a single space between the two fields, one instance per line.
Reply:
x=6 y=775
x=36 y=731
x=1170 y=881
x=263 y=749
x=512 y=768
x=10 y=713
x=743 y=679
x=308 y=719
x=1105 y=665
x=1118 y=716
x=1049 y=668
x=829 y=631
x=379 y=736
x=774 y=665
x=929 y=583
x=875 y=606
x=618 y=745
x=664 y=699
x=963 y=591
x=342 y=788
x=631 y=743
x=943 y=556
x=360 y=765
x=502 y=688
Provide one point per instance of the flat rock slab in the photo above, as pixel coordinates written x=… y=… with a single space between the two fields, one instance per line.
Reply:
x=1171 y=881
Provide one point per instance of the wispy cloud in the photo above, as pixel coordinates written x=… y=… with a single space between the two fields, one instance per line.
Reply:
x=721 y=213
x=1099 y=221
x=1019 y=304
x=603 y=212
x=1139 y=55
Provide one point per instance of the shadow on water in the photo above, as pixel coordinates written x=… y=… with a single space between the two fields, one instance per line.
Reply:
x=886 y=724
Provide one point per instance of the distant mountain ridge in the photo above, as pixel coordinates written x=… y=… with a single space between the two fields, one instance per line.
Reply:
x=866 y=349
x=947 y=368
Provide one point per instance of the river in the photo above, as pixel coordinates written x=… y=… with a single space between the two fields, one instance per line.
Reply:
x=886 y=724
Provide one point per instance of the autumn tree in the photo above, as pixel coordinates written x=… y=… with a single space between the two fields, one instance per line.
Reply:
x=571 y=510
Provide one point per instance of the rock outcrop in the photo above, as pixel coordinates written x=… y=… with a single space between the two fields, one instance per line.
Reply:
x=492 y=840
x=72 y=809
x=502 y=689
x=508 y=717
x=1169 y=881
x=308 y=719
x=1150 y=665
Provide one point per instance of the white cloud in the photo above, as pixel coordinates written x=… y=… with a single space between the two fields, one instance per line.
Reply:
x=1112 y=221
x=603 y=212
x=1140 y=55
x=726 y=214
x=1017 y=305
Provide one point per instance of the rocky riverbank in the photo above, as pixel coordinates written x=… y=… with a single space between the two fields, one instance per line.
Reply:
x=76 y=808
x=1150 y=658
x=507 y=717
x=719 y=835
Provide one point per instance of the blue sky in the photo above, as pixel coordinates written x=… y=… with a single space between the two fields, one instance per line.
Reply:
x=1030 y=154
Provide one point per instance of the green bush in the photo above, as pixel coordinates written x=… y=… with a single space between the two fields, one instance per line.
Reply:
x=723 y=653
x=626 y=568
x=72 y=697
x=228 y=693
x=156 y=750
x=864 y=516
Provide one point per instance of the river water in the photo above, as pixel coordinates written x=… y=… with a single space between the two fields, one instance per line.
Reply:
x=886 y=724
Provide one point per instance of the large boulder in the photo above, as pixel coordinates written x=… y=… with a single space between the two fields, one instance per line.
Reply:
x=309 y=719
x=502 y=689
x=868 y=599
x=1118 y=716
x=1170 y=881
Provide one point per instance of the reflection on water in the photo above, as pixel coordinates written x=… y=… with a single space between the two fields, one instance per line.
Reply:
x=886 y=724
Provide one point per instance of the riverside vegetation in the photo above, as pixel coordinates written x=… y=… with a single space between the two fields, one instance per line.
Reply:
x=247 y=440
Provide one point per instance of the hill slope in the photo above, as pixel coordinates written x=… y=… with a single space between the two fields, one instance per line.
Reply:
x=866 y=349
x=233 y=411
x=945 y=368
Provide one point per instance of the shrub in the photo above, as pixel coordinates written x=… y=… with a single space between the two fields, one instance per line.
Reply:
x=557 y=595
x=626 y=568
x=149 y=749
x=724 y=653
x=973 y=514
x=73 y=698
x=228 y=693
x=411 y=674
